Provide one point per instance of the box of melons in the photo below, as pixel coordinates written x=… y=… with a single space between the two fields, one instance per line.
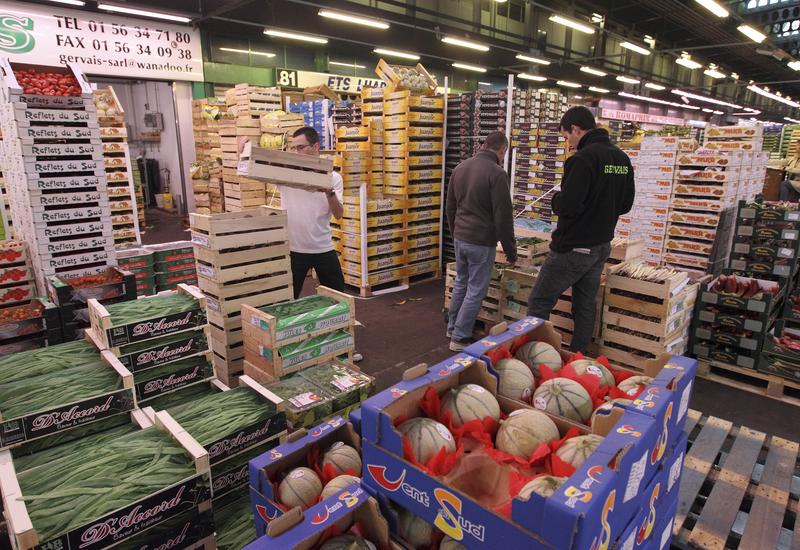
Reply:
x=485 y=469
x=525 y=357
x=308 y=466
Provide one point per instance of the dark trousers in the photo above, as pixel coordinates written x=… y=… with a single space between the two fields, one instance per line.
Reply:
x=325 y=264
x=787 y=192
x=578 y=270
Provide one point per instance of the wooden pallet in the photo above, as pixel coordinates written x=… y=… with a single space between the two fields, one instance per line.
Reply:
x=739 y=488
x=753 y=381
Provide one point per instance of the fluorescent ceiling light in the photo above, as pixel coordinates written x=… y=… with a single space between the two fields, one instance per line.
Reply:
x=469 y=67
x=767 y=93
x=595 y=72
x=540 y=61
x=250 y=52
x=395 y=53
x=706 y=99
x=465 y=43
x=713 y=72
x=597 y=18
x=356 y=19
x=628 y=80
x=654 y=86
x=707 y=110
x=70 y=2
x=735 y=76
x=484 y=83
x=713 y=7
x=791 y=119
x=751 y=33
x=568 y=84
x=572 y=24
x=577 y=97
x=144 y=13
x=718 y=113
x=687 y=61
x=795 y=65
x=598 y=90
x=635 y=48
x=526 y=76
x=295 y=36
x=659 y=101
x=751 y=110
x=351 y=65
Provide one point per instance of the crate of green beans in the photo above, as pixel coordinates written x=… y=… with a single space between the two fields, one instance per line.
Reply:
x=233 y=519
x=173 y=376
x=63 y=399
x=231 y=474
x=27 y=364
x=190 y=530
x=132 y=482
x=137 y=320
x=157 y=352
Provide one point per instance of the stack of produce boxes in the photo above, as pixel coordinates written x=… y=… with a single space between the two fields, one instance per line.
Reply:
x=635 y=502
x=242 y=258
x=139 y=261
x=277 y=128
x=237 y=197
x=372 y=116
x=315 y=113
x=173 y=264
x=199 y=168
x=17 y=280
x=138 y=188
x=346 y=112
x=459 y=146
x=66 y=220
x=116 y=156
x=490 y=114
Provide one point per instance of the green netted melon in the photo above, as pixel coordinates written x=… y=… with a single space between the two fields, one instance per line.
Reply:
x=516 y=380
x=342 y=458
x=470 y=402
x=523 y=431
x=544 y=486
x=634 y=384
x=590 y=366
x=450 y=544
x=564 y=397
x=426 y=437
x=576 y=449
x=301 y=487
x=414 y=530
x=338 y=484
x=347 y=542
x=534 y=354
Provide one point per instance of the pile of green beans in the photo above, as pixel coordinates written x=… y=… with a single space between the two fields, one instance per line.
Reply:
x=172 y=400
x=234 y=522
x=27 y=364
x=80 y=487
x=149 y=308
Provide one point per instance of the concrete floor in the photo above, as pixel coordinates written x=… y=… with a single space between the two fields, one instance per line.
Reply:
x=403 y=329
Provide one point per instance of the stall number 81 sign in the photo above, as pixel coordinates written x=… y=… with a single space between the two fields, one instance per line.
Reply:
x=287 y=77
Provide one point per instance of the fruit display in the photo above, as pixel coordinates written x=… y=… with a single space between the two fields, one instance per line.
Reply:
x=544 y=486
x=516 y=380
x=426 y=438
x=564 y=397
x=338 y=484
x=742 y=287
x=523 y=431
x=470 y=402
x=37 y=82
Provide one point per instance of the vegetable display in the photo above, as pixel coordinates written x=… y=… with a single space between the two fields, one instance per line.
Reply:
x=41 y=83
x=787 y=341
x=645 y=272
x=21 y=313
x=742 y=287
x=234 y=522
x=171 y=401
x=36 y=362
x=156 y=306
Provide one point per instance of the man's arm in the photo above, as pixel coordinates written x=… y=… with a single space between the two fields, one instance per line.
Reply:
x=450 y=209
x=335 y=196
x=630 y=193
x=503 y=213
x=574 y=189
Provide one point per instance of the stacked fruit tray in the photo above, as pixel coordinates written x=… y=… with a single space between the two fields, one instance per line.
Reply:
x=17 y=280
x=27 y=326
x=766 y=247
x=139 y=261
x=354 y=150
x=54 y=170
x=173 y=264
x=459 y=146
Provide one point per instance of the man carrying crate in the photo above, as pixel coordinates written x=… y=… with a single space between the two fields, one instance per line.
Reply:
x=597 y=188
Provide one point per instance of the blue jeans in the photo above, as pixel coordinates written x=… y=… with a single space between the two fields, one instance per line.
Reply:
x=474 y=266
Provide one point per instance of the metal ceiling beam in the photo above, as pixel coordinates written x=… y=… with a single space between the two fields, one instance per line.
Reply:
x=223 y=9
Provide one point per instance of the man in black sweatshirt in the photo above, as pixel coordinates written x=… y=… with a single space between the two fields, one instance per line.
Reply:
x=479 y=214
x=596 y=189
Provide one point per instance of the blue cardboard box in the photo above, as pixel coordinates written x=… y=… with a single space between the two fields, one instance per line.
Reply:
x=291 y=453
x=598 y=501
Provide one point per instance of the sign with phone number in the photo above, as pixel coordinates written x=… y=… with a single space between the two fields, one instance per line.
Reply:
x=99 y=43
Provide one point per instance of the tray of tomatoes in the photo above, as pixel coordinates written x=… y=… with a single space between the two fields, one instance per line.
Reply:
x=45 y=86
x=30 y=318
x=13 y=253
x=111 y=284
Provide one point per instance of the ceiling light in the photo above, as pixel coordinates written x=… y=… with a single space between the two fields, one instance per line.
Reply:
x=593 y=71
x=735 y=76
x=296 y=36
x=597 y=18
x=526 y=76
x=751 y=33
x=250 y=52
x=791 y=119
x=659 y=101
x=598 y=90
x=144 y=13
x=718 y=113
x=650 y=41
x=705 y=99
x=686 y=60
x=628 y=80
x=635 y=48
x=465 y=43
x=70 y=2
x=766 y=93
x=530 y=59
x=577 y=97
x=469 y=67
x=795 y=65
x=654 y=86
x=568 y=84
x=713 y=72
x=357 y=19
x=572 y=24
x=751 y=110
x=395 y=53
x=484 y=83
x=351 y=65
x=706 y=110
x=713 y=7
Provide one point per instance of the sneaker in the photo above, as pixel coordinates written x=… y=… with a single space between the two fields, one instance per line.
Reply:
x=357 y=357
x=460 y=345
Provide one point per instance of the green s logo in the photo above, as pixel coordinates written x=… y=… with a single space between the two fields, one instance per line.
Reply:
x=15 y=34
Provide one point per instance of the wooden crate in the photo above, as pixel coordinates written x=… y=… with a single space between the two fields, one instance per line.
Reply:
x=291 y=169
x=654 y=299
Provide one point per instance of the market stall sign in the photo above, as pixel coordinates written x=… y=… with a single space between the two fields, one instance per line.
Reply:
x=290 y=78
x=99 y=44
x=640 y=117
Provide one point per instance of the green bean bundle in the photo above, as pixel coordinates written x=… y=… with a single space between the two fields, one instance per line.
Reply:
x=148 y=308
x=171 y=400
x=234 y=522
x=80 y=487
x=58 y=388
x=27 y=364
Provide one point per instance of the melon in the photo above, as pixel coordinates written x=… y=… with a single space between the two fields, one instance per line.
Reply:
x=590 y=366
x=544 y=486
x=301 y=487
x=470 y=402
x=634 y=384
x=426 y=437
x=347 y=542
x=450 y=544
x=338 y=484
x=534 y=354
x=414 y=530
x=564 y=397
x=523 y=431
x=516 y=380
x=575 y=449
x=344 y=459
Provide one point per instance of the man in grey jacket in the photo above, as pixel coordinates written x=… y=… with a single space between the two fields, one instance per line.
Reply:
x=479 y=214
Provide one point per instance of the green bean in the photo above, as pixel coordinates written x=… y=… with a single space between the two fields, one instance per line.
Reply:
x=26 y=364
x=234 y=522
x=149 y=308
